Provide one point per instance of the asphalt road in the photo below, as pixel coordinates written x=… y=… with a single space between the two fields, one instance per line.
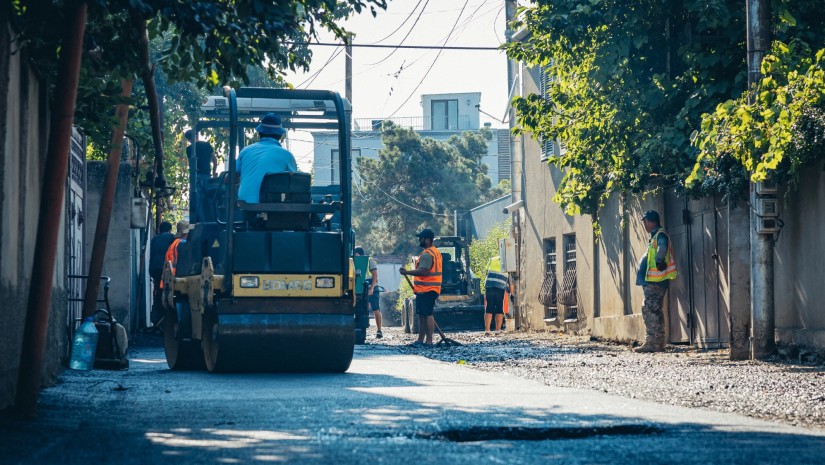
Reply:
x=390 y=408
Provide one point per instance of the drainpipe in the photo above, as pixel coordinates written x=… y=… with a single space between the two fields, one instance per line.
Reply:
x=107 y=201
x=51 y=209
x=516 y=161
x=762 y=301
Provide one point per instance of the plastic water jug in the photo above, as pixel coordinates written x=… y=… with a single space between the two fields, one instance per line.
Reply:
x=83 y=346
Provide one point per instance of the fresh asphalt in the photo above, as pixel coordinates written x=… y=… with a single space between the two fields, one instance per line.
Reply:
x=391 y=407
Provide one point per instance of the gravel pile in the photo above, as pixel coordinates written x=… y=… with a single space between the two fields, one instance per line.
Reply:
x=792 y=393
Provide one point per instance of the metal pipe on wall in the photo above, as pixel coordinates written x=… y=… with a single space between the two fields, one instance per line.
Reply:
x=50 y=212
x=107 y=201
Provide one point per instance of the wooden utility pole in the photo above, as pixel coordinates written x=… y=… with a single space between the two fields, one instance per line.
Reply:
x=51 y=210
x=107 y=200
x=762 y=301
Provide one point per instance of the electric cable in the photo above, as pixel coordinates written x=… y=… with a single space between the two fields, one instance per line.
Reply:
x=404 y=22
x=405 y=37
x=391 y=197
x=431 y=65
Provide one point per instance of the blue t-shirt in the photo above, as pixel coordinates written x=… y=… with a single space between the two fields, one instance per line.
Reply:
x=258 y=160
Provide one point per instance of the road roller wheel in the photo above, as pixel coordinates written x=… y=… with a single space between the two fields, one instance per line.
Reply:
x=180 y=354
x=211 y=347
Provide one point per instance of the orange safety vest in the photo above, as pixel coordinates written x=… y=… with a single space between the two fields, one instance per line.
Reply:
x=432 y=280
x=172 y=254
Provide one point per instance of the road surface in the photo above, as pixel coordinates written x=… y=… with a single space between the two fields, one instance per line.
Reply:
x=390 y=408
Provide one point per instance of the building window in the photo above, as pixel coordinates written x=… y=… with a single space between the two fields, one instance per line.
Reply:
x=549 y=286
x=334 y=161
x=569 y=297
x=548 y=147
x=444 y=115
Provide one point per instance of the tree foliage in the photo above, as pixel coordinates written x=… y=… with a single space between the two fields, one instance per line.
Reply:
x=625 y=104
x=195 y=45
x=777 y=133
x=416 y=183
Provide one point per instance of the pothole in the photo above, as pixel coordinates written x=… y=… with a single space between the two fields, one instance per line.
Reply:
x=518 y=433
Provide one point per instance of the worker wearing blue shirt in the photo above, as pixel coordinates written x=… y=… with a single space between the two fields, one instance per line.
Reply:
x=263 y=157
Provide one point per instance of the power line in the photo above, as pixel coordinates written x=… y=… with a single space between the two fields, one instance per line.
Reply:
x=419 y=47
x=405 y=37
x=366 y=180
x=405 y=22
x=434 y=61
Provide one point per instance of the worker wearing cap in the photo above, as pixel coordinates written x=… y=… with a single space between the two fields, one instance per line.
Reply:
x=656 y=269
x=426 y=286
x=181 y=235
x=263 y=157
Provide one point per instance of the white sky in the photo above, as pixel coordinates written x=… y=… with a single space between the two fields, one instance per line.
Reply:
x=389 y=82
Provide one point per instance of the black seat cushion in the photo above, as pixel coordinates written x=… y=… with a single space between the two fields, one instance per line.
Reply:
x=286 y=188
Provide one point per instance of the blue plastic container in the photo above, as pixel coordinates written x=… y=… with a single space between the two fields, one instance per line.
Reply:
x=84 y=346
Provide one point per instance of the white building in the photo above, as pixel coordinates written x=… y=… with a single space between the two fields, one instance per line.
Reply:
x=443 y=116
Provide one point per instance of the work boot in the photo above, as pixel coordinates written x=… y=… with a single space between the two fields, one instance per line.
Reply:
x=379 y=335
x=648 y=347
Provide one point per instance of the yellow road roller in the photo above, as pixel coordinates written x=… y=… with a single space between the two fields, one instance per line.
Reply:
x=266 y=286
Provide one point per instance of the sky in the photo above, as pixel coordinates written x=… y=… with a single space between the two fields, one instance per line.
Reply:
x=389 y=82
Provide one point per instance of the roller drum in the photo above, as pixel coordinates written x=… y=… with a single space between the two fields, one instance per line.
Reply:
x=279 y=342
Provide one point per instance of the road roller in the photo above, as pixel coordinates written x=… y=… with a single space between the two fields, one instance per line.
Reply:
x=266 y=286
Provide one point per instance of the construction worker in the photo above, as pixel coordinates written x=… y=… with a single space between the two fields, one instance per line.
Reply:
x=157 y=253
x=426 y=286
x=181 y=235
x=496 y=287
x=263 y=157
x=373 y=299
x=656 y=269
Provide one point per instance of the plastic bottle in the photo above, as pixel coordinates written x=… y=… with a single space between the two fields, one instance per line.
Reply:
x=83 y=346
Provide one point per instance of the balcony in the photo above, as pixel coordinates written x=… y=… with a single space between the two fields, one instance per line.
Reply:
x=417 y=123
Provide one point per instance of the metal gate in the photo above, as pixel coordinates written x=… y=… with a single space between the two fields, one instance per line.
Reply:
x=697 y=305
x=75 y=226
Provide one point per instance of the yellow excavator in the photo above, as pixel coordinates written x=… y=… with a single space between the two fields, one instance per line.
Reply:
x=266 y=286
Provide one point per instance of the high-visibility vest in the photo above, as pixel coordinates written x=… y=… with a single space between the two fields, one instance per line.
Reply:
x=654 y=275
x=172 y=253
x=495 y=278
x=432 y=280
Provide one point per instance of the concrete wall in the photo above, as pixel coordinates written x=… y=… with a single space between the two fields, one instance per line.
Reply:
x=609 y=302
x=467 y=108
x=120 y=255
x=23 y=131
x=483 y=218
x=798 y=263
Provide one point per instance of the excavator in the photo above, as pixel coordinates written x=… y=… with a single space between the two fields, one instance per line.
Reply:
x=267 y=286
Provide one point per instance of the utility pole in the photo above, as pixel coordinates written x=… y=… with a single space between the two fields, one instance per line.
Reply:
x=762 y=301
x=516 y=160
x=348 y=71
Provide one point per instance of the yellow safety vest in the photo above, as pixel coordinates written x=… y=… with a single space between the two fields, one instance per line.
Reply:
x=654 y=275
x=495 y=278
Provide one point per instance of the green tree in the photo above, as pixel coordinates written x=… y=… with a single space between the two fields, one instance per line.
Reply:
x=416 y=183
x=624 y=105
x=196 y=46
x=775 y=131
